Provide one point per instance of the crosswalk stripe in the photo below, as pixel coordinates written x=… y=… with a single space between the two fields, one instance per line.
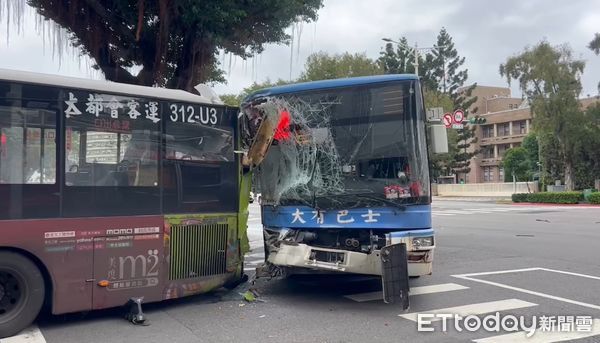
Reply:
x=542 y=336
x=256 y=254
x=458 y=212
x=479 y=210
x=29 y=335
x=253 y=263
x=444 y=287
x=473 y=309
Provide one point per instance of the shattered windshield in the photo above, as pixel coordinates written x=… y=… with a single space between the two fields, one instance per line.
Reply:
x=348 y=147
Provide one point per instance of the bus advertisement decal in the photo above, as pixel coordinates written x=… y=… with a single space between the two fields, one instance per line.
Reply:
x=59 y=234
x=134 y=271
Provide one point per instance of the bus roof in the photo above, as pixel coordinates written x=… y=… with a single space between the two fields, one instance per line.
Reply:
x=103 y=86
x=327 y=84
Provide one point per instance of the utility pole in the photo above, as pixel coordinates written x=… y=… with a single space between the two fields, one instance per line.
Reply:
x=415 y=50
x=416 y=58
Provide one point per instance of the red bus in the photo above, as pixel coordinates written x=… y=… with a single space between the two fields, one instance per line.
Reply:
x=110 y=192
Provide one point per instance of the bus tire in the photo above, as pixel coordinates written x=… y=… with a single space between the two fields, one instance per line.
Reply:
x=22 y=293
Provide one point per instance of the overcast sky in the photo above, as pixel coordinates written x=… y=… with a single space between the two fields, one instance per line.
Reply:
x=485 y=32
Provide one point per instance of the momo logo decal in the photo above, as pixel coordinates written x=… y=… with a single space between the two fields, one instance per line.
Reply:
x=119 y=231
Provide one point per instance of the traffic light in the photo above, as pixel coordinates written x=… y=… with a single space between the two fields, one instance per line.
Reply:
x=477 y=120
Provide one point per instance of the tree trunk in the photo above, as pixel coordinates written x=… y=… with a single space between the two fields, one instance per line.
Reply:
x=569 y=175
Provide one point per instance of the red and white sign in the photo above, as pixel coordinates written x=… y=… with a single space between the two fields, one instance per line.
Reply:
x=447 y=120
x=459 y=116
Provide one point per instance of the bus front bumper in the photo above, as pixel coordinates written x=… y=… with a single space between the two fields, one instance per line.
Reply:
x=344 y=261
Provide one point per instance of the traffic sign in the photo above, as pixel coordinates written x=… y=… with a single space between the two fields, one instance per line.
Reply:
x=434 y=113
x=458 y=126
x=459 y=116
x=447 y=120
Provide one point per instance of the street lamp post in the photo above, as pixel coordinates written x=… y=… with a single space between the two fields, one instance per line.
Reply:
x=415 y=51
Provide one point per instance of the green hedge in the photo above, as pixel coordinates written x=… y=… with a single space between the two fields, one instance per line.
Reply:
x=520 y=197
x=594 y=198
x=549 y=197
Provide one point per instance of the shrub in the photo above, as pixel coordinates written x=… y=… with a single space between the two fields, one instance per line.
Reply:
x=555 y=197
x=520 y=197
x=594 y=198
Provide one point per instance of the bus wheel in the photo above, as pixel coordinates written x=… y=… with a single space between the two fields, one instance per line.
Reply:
x=21 y=293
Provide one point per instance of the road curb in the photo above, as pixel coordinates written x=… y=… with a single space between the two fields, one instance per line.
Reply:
x=554 y=205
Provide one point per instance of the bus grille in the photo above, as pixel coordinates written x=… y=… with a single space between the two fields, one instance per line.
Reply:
x=197 y=250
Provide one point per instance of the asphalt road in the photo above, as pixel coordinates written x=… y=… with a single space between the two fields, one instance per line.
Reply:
x=516 y=260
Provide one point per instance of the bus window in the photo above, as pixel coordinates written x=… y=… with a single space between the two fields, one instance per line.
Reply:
x=199 y=167
x=110 y=147
x=28 y=151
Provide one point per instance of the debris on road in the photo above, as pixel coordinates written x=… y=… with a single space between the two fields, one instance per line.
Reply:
x=249 y=296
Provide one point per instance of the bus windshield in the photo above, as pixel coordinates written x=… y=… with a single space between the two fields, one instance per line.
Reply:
x=348 y=147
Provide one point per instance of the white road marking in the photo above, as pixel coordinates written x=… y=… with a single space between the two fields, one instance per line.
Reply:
x=523 y=290
x=482 y=210
x=457 y=212
x=253 y=263
x=444 y=287
x=498 y=272
x=29 y=335
x=256 y=245
x=542 y=336
x=473 y=309
x=256 y=254
x=571 y=273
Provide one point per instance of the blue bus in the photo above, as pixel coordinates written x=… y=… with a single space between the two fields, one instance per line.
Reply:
x=345 y=179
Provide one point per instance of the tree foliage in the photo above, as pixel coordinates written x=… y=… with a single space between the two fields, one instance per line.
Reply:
x=517 y=164
x=531 y=146
x=443 y=77
x=318 y=66
x=322 y=66
x=441 y=164
x=399 y=60
x=595 y=44
x=587 y=167
x=444 y=72
x=236 y=99
x=444 y=66
x=549 y=77
x=173 y=43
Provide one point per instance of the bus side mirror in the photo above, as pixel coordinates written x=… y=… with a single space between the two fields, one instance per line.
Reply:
x=439 y=139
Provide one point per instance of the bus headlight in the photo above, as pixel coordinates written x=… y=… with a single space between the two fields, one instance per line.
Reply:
x=422 y=242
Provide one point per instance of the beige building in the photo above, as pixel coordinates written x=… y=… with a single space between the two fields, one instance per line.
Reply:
x=508 y=121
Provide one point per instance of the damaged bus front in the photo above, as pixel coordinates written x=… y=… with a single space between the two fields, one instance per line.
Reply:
x=345 y=182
